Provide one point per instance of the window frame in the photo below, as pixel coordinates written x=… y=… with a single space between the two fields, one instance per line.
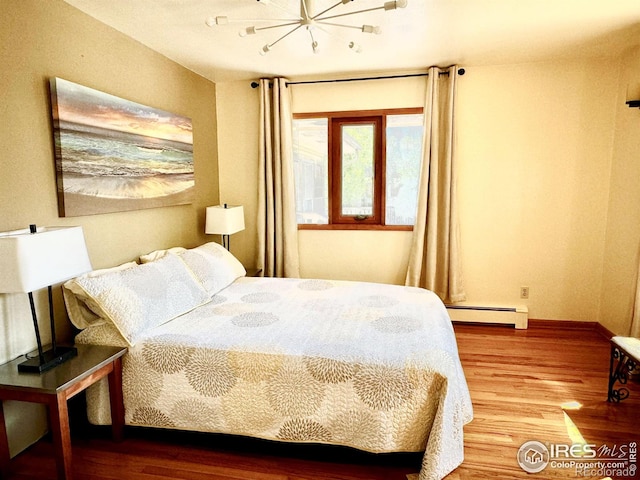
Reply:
x=335 y=120
x=335 y=162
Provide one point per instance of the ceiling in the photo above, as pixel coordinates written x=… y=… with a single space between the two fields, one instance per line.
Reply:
x=426 y=32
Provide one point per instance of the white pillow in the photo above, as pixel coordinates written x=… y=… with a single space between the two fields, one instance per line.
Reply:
x=157 y=254
x=214 y=266
x=81 y=309
x=140 y=298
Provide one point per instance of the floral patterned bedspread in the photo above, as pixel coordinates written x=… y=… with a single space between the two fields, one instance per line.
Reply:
x=370 y=366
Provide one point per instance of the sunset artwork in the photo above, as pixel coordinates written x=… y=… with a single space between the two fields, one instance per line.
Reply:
x=115 y=155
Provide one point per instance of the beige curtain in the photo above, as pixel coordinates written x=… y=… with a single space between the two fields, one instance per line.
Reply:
x=434 y=259
x=277 y=228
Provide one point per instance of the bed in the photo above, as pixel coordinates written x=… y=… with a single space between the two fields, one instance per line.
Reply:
x=369 y=366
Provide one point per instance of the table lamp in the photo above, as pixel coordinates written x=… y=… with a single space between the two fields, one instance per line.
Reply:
x=36 y=258
x=224 y=220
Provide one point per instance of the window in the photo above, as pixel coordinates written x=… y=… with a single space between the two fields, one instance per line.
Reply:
x=357 y=169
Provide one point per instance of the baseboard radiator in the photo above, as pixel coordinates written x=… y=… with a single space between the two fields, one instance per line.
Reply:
x=517 y=315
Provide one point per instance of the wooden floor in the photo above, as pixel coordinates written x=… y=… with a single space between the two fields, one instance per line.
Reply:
x=519 y=382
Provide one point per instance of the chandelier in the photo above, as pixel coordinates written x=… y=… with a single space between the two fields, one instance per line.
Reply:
x=308 y=20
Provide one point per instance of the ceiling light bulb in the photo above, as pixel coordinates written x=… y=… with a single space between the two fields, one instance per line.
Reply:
x=355 y=47
x=213 y=21
x=371 y=29
x=264 y=50
x=395 y=4
x=247 y=31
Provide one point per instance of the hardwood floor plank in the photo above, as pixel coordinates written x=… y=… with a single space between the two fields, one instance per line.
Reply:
x=525 y=385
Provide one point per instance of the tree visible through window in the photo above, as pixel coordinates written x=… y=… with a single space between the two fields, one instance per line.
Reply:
x=357 y=169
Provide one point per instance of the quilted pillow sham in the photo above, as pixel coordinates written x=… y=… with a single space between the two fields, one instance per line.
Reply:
x=82 y=309
x=140 y=298
x=158 y=254
x=212 y=264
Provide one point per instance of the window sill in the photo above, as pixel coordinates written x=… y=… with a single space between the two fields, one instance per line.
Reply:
x=338 y=226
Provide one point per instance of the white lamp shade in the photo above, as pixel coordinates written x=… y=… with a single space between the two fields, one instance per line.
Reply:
x=31 y=261
x=224 y=221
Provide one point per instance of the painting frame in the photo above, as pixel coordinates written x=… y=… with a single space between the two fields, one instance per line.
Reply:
x=116 y=155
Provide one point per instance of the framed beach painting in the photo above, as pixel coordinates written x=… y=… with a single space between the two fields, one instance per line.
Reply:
x=114 y=155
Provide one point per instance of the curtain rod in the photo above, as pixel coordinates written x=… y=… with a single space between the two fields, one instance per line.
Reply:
x=461 y=71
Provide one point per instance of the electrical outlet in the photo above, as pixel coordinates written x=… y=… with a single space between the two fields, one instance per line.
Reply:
x=524 y=292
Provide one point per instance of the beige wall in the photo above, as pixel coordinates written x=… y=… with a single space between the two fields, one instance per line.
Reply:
x=42 y=39
x=535 y=143
x=534 y=148
x=623 y=219
x=238 y=113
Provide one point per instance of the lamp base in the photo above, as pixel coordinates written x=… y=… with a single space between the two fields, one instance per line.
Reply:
x=50 y=358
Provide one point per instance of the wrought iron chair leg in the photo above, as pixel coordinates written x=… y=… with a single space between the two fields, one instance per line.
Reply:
x=620 y=374
x=612 y=379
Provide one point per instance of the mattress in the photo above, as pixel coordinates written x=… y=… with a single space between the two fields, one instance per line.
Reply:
x=369 y=366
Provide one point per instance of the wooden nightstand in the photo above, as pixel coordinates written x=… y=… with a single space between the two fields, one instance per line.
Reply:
x=253 y=272
x=54 y=388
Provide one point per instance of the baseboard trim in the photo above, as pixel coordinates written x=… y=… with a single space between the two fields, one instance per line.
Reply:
x=569 y=325
x=563 y=324
x=604 y=331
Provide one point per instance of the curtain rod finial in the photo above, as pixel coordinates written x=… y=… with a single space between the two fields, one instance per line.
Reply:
x=255 y=84
x=461 y=71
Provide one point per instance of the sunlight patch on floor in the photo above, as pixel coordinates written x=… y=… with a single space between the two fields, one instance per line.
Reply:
x=571 y=405
x=572 y=430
